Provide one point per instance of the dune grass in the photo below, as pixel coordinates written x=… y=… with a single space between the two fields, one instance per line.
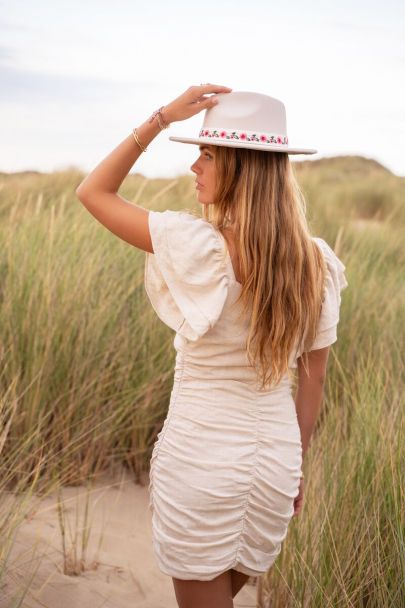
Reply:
x=86 y=371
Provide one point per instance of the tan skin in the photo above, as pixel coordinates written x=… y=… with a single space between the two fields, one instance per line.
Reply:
x=98 y=192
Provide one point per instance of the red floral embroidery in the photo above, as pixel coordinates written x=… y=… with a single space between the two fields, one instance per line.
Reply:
x=245 y=136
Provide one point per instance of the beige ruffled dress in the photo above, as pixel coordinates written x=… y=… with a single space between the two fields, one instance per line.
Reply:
x=226 y=465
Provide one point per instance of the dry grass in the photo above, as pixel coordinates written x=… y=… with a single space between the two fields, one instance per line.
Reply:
x=86 y=370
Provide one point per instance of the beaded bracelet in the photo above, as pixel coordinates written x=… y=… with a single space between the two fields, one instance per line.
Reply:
x=161 y=122
x=159 y=116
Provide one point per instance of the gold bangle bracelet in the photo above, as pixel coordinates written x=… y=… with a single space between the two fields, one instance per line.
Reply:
x=135 y=134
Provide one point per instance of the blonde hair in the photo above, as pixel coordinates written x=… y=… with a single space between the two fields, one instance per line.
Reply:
x=282 y=270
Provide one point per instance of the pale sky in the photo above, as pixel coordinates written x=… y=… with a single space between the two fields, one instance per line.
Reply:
x=76 y=77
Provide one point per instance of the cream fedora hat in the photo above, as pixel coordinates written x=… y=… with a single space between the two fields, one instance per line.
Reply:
x=242 y=119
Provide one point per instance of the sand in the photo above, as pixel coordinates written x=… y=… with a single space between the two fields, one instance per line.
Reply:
x=120 y=567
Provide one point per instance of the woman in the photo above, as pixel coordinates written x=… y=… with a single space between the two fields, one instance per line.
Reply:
x=251 y=295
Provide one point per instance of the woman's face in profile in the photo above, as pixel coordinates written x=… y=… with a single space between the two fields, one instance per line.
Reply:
x=204 y=168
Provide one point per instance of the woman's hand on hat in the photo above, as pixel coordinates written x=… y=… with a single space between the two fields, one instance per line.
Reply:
x=193 y=101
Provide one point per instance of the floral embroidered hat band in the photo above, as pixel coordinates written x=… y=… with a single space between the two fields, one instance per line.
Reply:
x=242 y=119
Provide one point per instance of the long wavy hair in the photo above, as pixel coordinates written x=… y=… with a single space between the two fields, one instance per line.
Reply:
x=281 y=268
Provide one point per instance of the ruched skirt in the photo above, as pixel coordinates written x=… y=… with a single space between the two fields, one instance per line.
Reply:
x=224 y=472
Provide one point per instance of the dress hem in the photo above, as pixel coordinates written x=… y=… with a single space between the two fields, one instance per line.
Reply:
x=235 y=565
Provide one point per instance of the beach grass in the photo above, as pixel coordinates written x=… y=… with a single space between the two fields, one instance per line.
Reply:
x=86 y=372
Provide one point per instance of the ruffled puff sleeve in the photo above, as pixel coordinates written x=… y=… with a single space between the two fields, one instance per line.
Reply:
x=335 y=282
x=185 y=278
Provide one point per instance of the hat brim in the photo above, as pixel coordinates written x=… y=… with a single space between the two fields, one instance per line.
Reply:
x=237 y=144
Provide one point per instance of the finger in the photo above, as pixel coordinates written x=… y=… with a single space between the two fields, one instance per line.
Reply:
x=203 y=98
x=208 y=103
x=213 y=88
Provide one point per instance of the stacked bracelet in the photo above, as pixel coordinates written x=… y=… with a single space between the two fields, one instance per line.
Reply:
x=161 y=122
x=135 y=134
x=159 y=116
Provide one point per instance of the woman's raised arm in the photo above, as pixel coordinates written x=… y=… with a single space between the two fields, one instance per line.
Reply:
x=99 y=190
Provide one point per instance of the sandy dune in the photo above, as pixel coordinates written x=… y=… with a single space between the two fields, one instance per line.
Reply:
x=121 y=571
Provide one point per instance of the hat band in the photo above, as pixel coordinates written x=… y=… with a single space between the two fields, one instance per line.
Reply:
x=263 y=138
